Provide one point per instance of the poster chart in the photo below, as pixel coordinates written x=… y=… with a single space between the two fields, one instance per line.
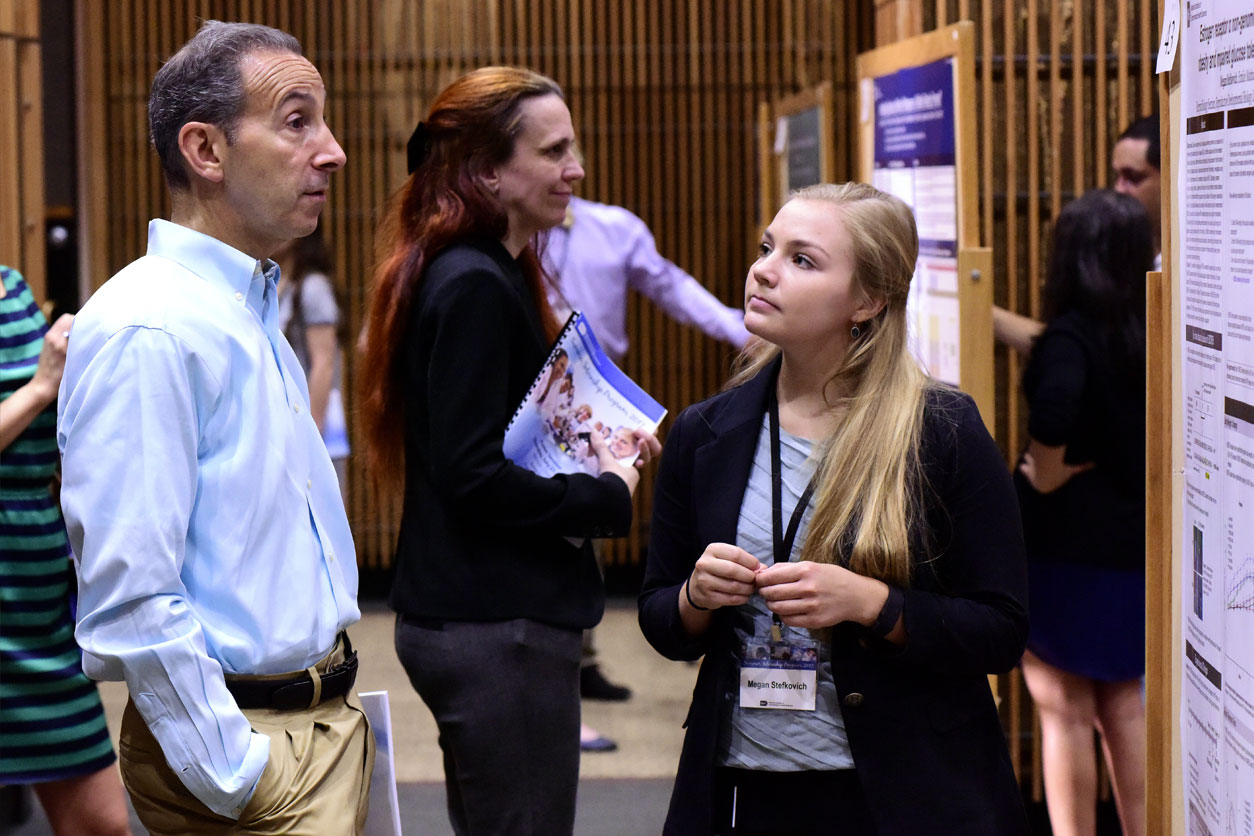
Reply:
x=802 y=132
x=798 y=146
x=915 y=159
x=1215 y=231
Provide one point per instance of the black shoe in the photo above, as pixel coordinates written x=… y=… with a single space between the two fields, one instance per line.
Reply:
x=594 y=686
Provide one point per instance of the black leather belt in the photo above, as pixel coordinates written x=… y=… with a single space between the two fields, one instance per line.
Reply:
x=299 y=691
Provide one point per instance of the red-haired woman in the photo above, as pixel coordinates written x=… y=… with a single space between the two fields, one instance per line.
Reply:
x=495 y=578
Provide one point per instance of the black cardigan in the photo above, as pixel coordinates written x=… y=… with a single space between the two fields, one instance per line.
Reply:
x=482 y=539
x=923 y=728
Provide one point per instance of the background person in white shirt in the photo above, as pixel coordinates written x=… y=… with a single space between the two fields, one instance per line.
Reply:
x=197 y=492
x=310 y=318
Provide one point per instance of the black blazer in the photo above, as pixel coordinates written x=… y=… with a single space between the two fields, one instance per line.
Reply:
x=482 y=539
x=923 y=728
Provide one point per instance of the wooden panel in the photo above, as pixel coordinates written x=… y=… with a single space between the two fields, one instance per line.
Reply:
x=1159 y=580
x=664 y=95
x=10 y=171
x=92 y=120
x=30 y=156
x=1033 y=129
x=21 y=135
x=1056 y=82
x=1164 y=484
x=975 y=295
x=19 y=19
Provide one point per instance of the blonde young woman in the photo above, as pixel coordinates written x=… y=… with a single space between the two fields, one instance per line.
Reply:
x=837 y=535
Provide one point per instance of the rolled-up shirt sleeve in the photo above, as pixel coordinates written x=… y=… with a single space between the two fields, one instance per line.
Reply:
x=132 y=416
x=678 y=293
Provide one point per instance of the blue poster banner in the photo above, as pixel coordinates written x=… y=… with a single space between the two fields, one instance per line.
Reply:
x=914 y=116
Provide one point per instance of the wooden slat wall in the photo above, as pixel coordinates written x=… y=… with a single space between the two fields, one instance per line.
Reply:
x=21 y=137
x=664 y=95
x=1057 y=81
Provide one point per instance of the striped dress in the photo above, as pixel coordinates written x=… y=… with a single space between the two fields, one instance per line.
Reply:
x=52 y=725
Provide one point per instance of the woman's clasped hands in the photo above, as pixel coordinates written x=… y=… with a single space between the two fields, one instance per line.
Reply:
x=803 y=593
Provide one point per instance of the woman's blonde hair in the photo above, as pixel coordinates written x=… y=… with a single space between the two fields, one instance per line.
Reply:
x=868 y=475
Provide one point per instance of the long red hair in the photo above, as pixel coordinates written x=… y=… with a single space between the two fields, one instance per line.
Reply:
x=472 y=126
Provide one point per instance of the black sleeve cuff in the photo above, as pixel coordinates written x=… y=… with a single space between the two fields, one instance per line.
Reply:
x=891 y=611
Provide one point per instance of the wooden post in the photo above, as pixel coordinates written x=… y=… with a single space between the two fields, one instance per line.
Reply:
x=21 y=134
x=1163 y=483
x=896 y=20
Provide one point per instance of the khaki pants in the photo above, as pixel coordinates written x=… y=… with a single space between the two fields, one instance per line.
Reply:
x=316 y=781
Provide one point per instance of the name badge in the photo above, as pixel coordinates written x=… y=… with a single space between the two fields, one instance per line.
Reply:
x=780 y=674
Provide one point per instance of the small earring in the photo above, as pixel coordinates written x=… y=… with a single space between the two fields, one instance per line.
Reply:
x=855 y=332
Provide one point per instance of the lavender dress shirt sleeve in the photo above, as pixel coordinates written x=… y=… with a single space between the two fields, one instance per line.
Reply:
x=606 y=251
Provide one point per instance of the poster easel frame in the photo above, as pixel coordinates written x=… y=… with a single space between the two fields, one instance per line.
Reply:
x=773 y=165
x=975 y=278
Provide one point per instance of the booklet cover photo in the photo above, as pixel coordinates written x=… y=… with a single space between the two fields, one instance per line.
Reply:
x=578 y=392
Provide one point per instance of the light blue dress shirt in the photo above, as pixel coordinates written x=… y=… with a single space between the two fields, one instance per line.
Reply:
x=203 y=510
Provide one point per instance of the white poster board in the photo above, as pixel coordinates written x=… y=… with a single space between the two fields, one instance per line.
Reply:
x=1214 y=193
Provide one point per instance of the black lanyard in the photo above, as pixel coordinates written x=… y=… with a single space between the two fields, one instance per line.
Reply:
x=783 y=540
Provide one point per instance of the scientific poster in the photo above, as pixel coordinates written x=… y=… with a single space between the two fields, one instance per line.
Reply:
x=1215 y=231
x=915 y=159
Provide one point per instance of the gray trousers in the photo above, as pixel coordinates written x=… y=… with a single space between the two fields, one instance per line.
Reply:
x=589 y=657
x=505 y=695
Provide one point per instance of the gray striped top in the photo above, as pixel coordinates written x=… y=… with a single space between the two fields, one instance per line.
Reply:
x=776 y=740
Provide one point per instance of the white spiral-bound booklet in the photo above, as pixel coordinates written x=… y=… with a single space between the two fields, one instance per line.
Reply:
x=384 y=815
x=578 y=392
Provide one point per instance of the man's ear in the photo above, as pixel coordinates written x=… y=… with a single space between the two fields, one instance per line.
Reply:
x=202 y=146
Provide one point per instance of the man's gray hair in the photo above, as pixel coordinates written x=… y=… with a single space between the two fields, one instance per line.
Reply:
x=202 y=82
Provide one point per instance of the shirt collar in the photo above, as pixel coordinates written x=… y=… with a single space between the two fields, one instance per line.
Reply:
x=214 y=261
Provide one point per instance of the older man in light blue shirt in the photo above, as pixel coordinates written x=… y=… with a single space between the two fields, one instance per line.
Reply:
x=216 y=568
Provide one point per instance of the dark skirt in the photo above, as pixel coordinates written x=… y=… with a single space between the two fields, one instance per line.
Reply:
x=1088 y=620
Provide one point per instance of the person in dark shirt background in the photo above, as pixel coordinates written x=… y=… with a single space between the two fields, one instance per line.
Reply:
x=1081 y=486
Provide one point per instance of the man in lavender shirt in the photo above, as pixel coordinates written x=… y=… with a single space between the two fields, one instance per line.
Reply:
x=602 y=251
x=598 y=254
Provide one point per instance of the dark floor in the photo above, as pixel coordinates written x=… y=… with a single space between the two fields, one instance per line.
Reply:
x=624 y=793
x=607 y=807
